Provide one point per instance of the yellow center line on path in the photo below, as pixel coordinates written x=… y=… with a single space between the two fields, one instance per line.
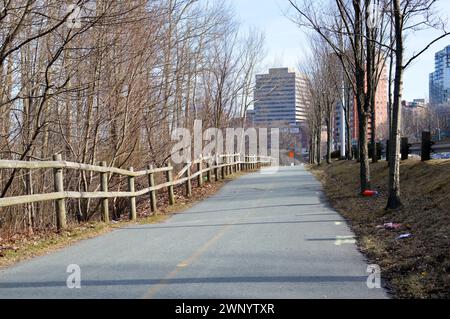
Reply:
x=154 y=289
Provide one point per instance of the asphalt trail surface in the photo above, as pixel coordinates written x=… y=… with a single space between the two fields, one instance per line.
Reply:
x=265 y=235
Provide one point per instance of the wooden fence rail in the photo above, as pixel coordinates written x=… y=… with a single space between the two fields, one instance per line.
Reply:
x=226 y=164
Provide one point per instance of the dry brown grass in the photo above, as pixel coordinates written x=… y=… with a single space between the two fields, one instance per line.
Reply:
x=418 y=267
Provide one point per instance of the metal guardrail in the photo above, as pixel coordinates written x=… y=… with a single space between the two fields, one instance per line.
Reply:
x=425 y=148
x=436 y=147
x=441 y=147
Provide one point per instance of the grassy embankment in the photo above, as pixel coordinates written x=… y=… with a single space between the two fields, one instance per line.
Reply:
x=417 y=267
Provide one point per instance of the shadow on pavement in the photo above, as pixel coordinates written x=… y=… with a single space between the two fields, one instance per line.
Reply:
x=174 y=281
x=150 y=227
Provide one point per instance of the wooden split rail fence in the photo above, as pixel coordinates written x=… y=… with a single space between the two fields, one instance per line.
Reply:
x=205 y=168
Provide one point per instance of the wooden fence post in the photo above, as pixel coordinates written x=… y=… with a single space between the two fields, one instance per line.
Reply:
x=216 y=169
x=224 y=168
x=30 y=206
x=209 y=173
x=104 y=188
x=151 y=183
x=404 y=149
x=426 y=146
x=188 y=182
x=132 y=189
x=170 y=187
x=200 y=176
x=61 y=221
x=232 y=165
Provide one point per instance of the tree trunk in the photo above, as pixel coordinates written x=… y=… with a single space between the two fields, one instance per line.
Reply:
x=318 y=147
x=394 y=201
x=364 y=153
x=373 y=119
x=373 y=140
x=361 y=100
x=313 y=154
x=391 y=71
x=348 y=130
x=329 y=138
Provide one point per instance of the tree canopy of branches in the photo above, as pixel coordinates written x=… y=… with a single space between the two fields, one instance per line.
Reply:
x=324 y=83
x=109 y=81
x=350 y=33
x=364 y=34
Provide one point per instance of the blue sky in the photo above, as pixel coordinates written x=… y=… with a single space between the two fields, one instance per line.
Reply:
x=286 y=45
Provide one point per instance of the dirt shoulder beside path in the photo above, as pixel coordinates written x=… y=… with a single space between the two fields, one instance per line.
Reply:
x=414 y=267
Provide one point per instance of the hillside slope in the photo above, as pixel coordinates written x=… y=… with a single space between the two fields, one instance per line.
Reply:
x=419 y=266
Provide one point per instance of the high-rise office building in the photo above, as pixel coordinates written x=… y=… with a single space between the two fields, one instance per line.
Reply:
x=440 y=78
x=281 y=98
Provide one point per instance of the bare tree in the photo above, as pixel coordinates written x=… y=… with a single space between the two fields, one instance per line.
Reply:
x=407 y=16
x=345 y=20
x=111 y=85
x=328 y=81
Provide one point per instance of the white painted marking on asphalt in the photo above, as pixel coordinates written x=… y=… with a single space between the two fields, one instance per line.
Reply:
x=342 y=240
